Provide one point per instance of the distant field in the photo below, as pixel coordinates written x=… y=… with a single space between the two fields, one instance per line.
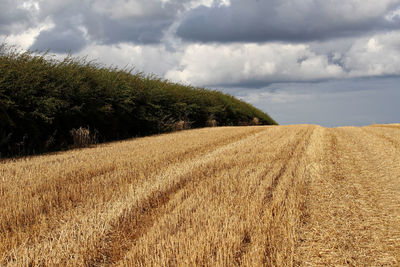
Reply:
x=393 y=125
x=297 y=195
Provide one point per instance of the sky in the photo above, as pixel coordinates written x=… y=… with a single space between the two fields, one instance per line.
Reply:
x=327 y=62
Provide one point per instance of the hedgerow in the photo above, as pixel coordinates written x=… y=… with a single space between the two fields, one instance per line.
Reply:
x=42 y=99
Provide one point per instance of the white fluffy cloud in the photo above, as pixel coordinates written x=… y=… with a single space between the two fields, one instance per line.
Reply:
x=376 y=55
x=260 y=64
x=154 y=59
x=252 y=63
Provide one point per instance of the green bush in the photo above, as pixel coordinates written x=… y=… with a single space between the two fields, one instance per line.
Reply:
x=42 y=99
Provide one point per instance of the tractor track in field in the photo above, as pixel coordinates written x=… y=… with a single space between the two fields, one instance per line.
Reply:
x=145 y=215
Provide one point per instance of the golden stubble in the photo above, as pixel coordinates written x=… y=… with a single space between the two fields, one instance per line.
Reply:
x=248 y=196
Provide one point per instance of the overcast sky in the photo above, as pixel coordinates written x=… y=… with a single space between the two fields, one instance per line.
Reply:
x=327 y=62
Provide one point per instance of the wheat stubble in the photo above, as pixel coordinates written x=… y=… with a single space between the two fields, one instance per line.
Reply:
x=298 y=195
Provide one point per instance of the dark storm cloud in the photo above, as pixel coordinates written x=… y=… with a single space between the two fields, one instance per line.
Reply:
x=260 y=84
x=286 y=20
x=250 y=84
x=60 y=40
x=106 y=22
x=13 y=18
x=143 y=31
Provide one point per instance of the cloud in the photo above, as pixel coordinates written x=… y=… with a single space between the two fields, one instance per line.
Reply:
x=155 y=59
x=140 y=21
x=138 y=33
x=15 y=17
x=79 y=23
x=60 y=40
x=374 y=56
x=253 y=65
x=287 y=20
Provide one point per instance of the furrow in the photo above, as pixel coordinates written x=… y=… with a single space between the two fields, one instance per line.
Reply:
x=283 y=207
x=215 y=218
x=188 y=201
x=282 y=167
x=135 y=222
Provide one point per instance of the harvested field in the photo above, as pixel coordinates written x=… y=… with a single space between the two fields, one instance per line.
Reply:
x=298 y=195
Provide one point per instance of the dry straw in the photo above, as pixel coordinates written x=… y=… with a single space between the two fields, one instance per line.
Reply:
x=244 y=196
